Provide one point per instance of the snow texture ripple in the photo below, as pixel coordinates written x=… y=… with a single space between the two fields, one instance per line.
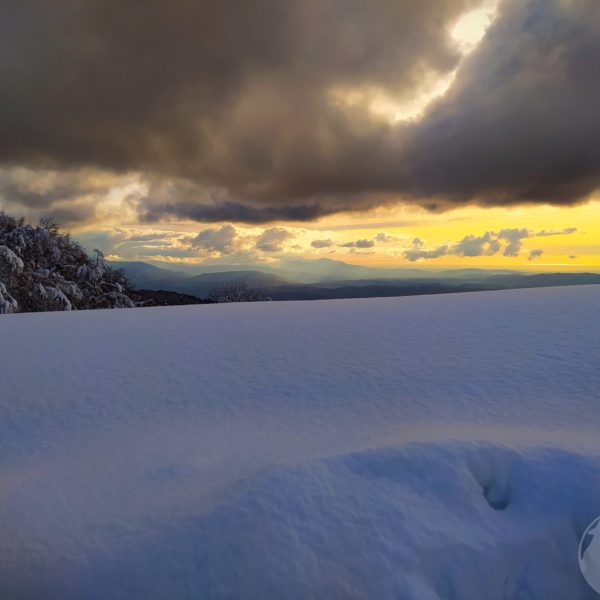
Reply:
x=425 y=448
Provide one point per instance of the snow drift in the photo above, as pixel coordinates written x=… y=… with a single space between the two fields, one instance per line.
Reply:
x=419 y=448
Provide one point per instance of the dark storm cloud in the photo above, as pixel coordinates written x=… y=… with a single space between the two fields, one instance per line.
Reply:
x=228 y=211
x=521 y=122
x=232 y=105
x=68 y=197
x=43 y=189
x=70 y=213
x=32 y=198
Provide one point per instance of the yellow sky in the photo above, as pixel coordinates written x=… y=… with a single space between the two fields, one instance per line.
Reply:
x=451 y=227
x=388 y=231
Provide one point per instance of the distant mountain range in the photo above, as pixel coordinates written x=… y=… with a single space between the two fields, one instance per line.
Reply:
x=326 y=270
x=148 y=277
x=327 y=279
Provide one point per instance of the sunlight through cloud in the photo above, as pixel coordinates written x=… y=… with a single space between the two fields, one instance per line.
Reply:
x=466 y=34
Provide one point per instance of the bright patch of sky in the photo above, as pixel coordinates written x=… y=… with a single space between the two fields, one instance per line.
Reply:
x=466 y=34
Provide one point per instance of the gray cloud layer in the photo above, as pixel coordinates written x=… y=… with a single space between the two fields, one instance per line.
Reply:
x=322 y=243
x=520 y=123
x=227 y=106
x=363 y=243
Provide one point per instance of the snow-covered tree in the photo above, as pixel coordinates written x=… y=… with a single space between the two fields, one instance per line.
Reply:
x=236 y=291
x=42 y=269
x=7 y=303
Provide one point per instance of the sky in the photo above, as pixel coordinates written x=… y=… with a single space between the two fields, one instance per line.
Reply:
x=437 y=133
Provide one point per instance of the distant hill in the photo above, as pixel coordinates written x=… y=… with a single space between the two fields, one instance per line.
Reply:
x=326 y=270
x=432 y=285
x=145 y=276
x=202 y=285
x=300 y=270
x=164 y=298
x=542 y=280
x=330 y=279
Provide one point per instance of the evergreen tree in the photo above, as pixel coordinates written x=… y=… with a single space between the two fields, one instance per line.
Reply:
x=42 y=269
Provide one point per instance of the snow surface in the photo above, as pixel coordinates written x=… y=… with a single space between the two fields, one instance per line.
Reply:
x=441 y=447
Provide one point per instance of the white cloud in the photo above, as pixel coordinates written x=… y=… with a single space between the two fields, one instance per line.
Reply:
x=222 y=239
x=273 y=239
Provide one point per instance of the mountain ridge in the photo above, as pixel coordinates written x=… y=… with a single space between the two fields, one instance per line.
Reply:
x=412 y=282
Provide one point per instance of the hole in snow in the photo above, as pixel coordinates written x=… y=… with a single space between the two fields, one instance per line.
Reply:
x=496 y=495
x=492 y=470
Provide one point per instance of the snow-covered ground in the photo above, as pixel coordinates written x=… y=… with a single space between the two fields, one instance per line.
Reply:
x=441 y=447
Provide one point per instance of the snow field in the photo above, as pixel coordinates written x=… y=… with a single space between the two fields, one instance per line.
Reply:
x=416 y=448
